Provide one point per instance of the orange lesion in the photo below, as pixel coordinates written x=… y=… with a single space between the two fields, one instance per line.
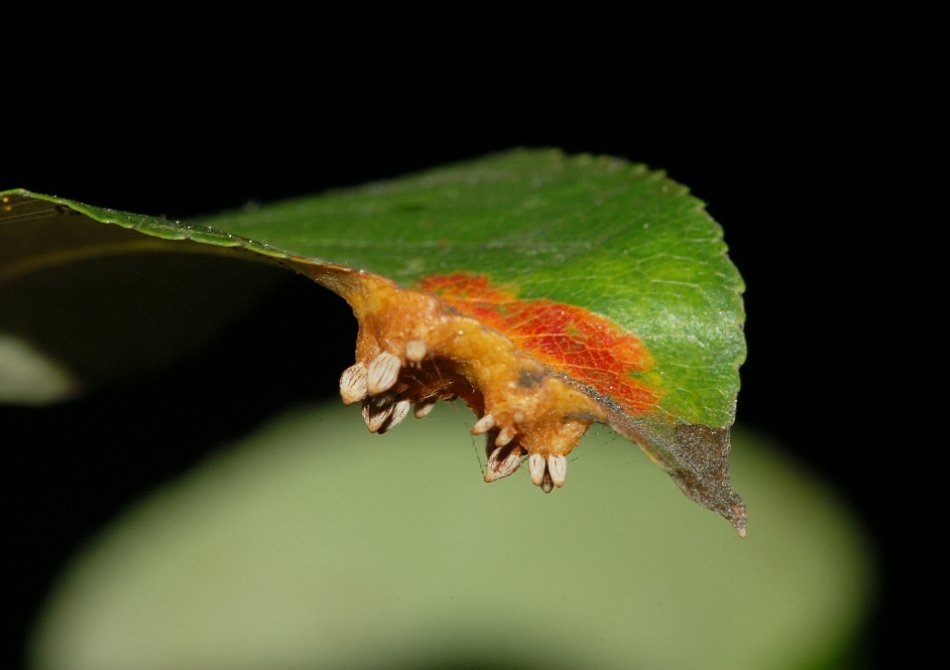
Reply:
x=534 y=371
x=415 y=348
x=588 y=348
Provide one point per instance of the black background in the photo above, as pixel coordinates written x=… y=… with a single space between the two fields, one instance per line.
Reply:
x=787 y=159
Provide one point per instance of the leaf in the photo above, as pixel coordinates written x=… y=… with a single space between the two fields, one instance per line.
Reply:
x=548 y=292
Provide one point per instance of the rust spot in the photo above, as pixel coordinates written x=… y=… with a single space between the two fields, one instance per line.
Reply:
x=585 y=346
x=538 y=411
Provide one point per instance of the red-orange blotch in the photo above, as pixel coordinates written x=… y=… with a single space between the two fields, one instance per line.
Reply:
x=589 y=348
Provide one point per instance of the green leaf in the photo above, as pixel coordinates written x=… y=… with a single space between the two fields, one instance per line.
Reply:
x=600 y=233
x=607 y=281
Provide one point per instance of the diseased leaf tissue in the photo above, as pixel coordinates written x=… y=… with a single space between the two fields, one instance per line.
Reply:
x=546 y=292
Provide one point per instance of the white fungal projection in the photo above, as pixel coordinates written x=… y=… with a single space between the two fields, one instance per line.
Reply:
x=353 y=384
x=557 y=466
x=382 y=373
x=415 y=351
x=377 y=411
x=505 y=435
x=536 y=465
x=483 y=425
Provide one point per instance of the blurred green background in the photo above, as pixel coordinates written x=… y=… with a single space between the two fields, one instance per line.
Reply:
x=315 y=544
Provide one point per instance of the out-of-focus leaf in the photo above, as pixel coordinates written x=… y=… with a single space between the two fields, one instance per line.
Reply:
x=314 y=544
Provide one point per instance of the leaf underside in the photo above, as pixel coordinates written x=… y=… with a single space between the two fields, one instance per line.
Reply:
x=609 y=276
